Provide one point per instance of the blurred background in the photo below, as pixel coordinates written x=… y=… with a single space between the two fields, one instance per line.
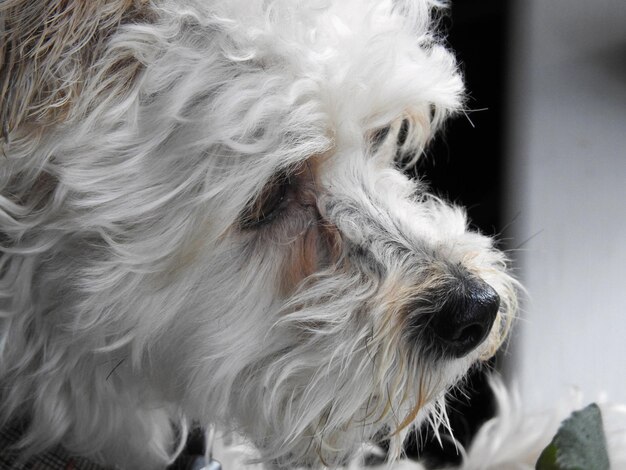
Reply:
x=540 y=161
x=566 y=190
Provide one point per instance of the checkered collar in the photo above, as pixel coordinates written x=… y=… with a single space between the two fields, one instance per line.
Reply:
x=55 y=459
x=59 y=459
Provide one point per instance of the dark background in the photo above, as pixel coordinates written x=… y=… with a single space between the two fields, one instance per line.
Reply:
x=465 y=165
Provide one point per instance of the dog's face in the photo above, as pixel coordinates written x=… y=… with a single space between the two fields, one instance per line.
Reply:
x=242 y=227
x=336 y=299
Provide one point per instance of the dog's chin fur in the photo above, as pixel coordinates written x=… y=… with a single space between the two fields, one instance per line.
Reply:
x=133 y=296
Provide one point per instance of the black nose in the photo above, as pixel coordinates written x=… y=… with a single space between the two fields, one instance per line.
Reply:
x=466 y=317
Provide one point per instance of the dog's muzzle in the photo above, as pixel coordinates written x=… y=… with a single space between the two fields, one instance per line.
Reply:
x=465 y=318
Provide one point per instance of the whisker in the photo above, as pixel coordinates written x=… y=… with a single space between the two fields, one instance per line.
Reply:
x=119 y=363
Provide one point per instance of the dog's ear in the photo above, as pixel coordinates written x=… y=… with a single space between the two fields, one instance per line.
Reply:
x=47 y=48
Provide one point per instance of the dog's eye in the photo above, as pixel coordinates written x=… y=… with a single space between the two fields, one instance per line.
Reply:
x=268 y=204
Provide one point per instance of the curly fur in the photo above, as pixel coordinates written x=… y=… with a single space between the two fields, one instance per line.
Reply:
x=131 y=298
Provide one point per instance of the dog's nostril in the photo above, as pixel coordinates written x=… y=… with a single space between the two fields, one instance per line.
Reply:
x=466 y=318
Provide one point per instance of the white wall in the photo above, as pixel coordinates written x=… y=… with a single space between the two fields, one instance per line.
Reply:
x=567 y=174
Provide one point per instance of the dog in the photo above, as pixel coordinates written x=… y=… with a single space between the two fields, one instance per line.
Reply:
x=205 y=218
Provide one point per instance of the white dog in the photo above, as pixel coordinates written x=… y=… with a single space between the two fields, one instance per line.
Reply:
x=204 y=217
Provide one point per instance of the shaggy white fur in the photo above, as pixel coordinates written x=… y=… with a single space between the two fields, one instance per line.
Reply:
x=512 y=440
x=203 y=217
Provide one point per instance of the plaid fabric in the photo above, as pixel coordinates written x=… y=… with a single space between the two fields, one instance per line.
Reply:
x=55 y=459
x=59 y=459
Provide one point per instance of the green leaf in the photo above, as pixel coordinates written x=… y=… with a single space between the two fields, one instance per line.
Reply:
x=579 y=445
x=547 y=459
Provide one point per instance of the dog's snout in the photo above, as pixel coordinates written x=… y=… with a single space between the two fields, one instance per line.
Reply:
x=466 y=318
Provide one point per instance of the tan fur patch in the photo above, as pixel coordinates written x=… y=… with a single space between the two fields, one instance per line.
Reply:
x=320 y=244
x=47 y=52
x=422 y=399
x=399 y=294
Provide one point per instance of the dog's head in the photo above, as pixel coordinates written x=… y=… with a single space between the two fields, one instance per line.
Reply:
x=224 y=203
